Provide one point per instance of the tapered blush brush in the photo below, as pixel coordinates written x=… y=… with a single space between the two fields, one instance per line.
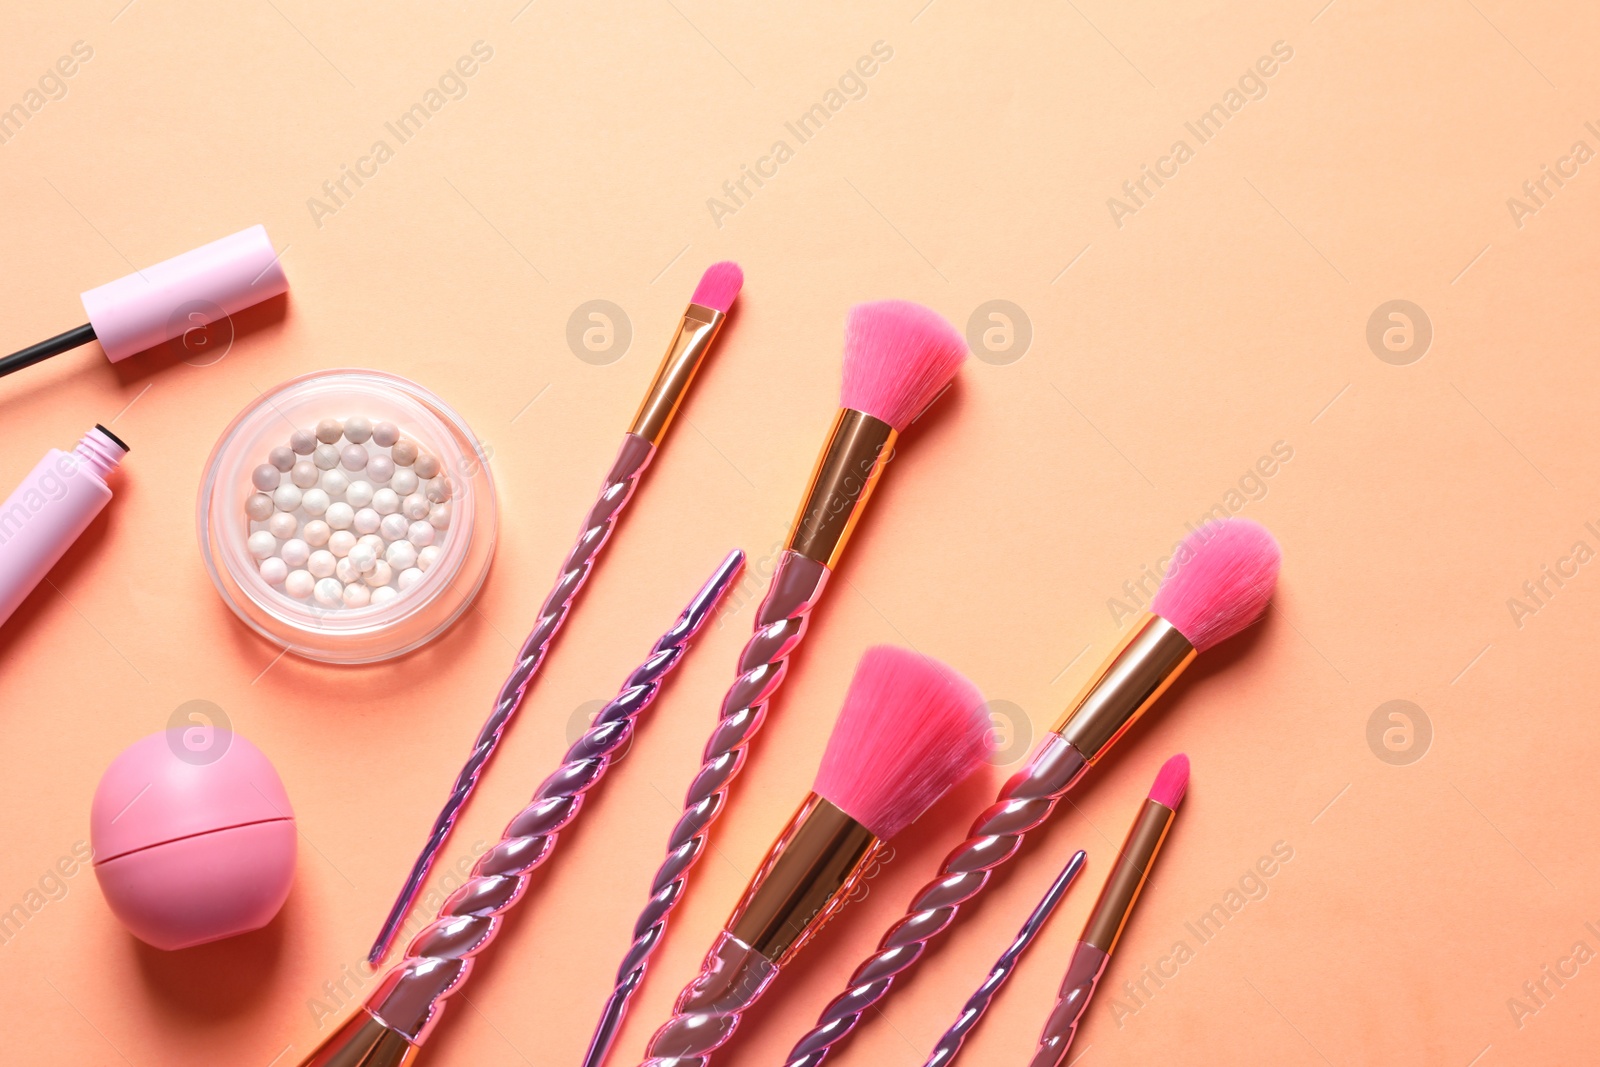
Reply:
x=910 y=729
x=898 y=357
x=698 y=328
x=1221 y=580
x=389 y=1030
x=1111 y=911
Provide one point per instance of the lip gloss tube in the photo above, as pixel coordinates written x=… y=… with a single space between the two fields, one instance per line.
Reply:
x=49 y=511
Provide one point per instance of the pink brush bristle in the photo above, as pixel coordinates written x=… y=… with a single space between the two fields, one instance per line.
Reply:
x=910 y=729
x=718 y=286
x=898 y=356
x=1222 y=576
x=1172 y=781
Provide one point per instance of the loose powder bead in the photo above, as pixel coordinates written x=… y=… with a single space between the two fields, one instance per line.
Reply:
x=357 y=428
x=420 y=534
x=427 y=557
x=405 y=481
x=380 y=469
x=366 y=521
x=438 y=490
x=404 y=452
x=401 y=555
x=329 y=592
x=439 y=516
x=316 y=533
x=393 y=527
x=329 y=431
x=282 y=525
x=295 y=552
x=274 y=570
x=426 y=466
x=414 y=507
x=359 y=494
x=315 y=501
x=363 y=558
x=299 y=583
x=341 y=543
x=262 y=544
x=258 y=507
x=353 y=458
x=357 y=596
x=334 y=483
x=304 y=474
x=380 y=574
x=326 y=457
x=384 y=595
x=265 y=477
x=321 y=563
x=281 y=457
x=385 y=434
x=408 y=578
x=341 y=515
x=386 y=501
x=346 y=571
x=302 y=442
x=286 y=497
x=375 y=542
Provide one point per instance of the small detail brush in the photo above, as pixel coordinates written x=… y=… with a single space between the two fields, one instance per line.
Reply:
x=898 y=357
x=1111 y=911
x=909 y=730
x=402 y=1011
x=1221 y=579
x=949 y=1046
x=699 y=327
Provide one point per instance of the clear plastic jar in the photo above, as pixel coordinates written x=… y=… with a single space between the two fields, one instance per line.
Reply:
x=344 y=634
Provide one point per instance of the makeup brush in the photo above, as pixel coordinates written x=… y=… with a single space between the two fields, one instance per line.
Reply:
x=698 y=328
x=909 y=730
x=168 y=300
x=1221 y=579
x=898 y=357
x=397 y=1018
x=949 y=1046
x=1111 y=911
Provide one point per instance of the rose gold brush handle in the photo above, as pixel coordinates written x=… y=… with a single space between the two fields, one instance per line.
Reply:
x=781 y=622
x=1083 y=974
x=411 y=997
x=631 y=462
x=1026 y=801
x=732 y=978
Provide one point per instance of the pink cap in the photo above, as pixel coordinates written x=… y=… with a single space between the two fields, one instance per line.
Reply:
x=199 y=287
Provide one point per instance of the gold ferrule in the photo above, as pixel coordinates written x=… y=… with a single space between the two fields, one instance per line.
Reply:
x=1111 y=911
x=806 y=878
x=846 y=474
x=1134 y=676
x=684 y=356
x=363 y=1041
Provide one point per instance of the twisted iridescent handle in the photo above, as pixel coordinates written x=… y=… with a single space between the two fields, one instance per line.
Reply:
x=631 y=462
x=412 y=995
x=1025 y=802
x=781 y=622
x=732 y=978
x=1083 y=974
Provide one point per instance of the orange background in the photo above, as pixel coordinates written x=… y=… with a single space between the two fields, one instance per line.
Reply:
x=1226 y=314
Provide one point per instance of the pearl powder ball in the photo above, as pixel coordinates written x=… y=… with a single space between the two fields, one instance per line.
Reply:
x=282 y=525
x=414 y=507
x=341 y=515
x=380 y=574
x=262 y=544
x=357 y=596
x=385 y=434
x=281 y=457
x=274 y=570
x=287 y=497
x=321 y=563
x=386 y=501
x=316 y=533
x=380 y=469
x=302 y=442
x=420 y=534
x=393 y=527
x=357 y=428
x=258 y=507
x=304 y=474
x=426 y=466
x=427 y=557
x=295 y=552
x=334 y=483
x=404 y=452
x=363 y=558
x=326 y=457
x=265 y=477
x=401 y=555
x=374 y=541
x=439 y=516
x=329 y=592
x=329 y=431
x=346 y=571
x=341 y=543
x=366 y=521
x=405 y=481
x=315 y=501
x=359 y=494
x=299 y=583
x=408 y=578
x=353 y=458
x=438 y=490
x=383 y=594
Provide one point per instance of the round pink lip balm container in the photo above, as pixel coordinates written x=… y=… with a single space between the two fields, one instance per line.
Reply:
x=193 y=837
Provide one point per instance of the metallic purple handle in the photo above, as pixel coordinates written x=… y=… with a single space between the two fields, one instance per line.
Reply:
x=781 y=622
x=1026 y=801
x=412 y=995
x=732 y=978
x=1083 y=974
x=944 y=1053
x=630 y=464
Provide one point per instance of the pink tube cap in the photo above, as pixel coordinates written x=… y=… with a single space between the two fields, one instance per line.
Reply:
x=196 y=288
